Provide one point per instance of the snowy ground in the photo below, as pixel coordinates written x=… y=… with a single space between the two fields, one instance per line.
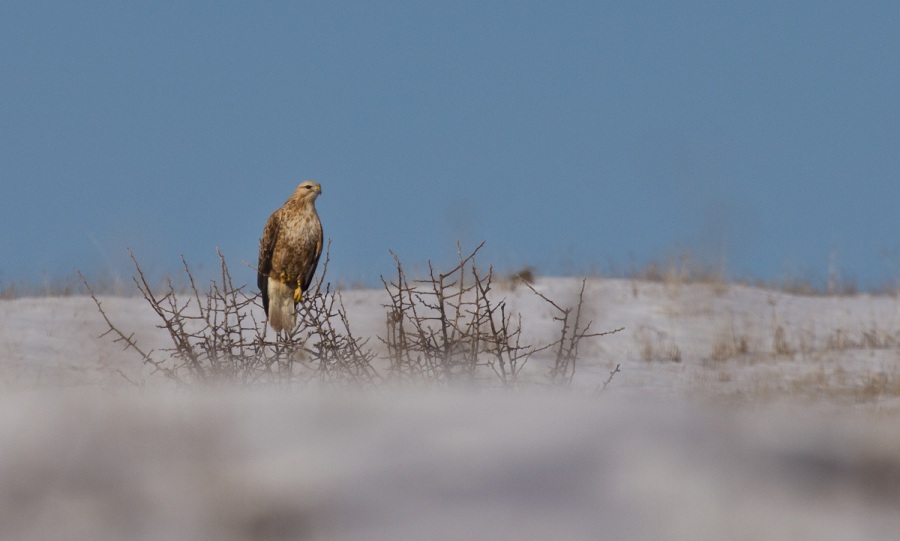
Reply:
x=739 y=413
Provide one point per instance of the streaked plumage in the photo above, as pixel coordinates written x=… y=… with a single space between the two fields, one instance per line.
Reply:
x=289 y=252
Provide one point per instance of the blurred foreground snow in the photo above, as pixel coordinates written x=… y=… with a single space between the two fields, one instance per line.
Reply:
x=666 y=453
x=435 y=465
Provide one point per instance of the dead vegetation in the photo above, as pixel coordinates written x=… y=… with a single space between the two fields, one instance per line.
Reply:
x=446 y=327
x=656 y=345
x=730 y=343
x=217 y=336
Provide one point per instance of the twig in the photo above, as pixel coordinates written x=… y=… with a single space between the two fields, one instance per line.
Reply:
x=615 y=371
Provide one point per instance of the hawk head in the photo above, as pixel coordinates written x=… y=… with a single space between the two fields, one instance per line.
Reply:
x=308 y=190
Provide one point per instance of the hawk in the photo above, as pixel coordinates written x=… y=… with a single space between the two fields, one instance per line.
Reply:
x=289 y=251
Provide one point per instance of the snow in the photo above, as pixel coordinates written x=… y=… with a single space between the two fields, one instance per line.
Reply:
x=793 y=435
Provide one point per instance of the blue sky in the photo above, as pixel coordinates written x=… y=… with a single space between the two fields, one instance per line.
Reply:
x=571 y=136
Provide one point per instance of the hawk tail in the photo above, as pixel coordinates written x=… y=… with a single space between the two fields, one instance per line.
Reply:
x=280 y=306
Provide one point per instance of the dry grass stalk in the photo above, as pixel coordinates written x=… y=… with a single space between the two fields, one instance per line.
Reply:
x=655 y=345
x=729 y=344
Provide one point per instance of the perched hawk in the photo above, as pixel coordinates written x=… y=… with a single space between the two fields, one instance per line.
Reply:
x=288 y=254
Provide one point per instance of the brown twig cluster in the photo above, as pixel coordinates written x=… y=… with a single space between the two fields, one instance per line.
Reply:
x=215 y=335
x=447 y=327
x=336 y=353
x=572 y=331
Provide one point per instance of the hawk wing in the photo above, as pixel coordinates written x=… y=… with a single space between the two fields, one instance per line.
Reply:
x=313 y=263
x=266 y=249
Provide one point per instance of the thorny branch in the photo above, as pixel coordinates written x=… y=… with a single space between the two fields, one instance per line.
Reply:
x=570 y=336
x=127 y=339
x=446 y=327
x=612 y=373
x=216 y=335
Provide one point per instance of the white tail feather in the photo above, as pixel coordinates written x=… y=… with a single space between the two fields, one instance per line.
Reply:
x=282 y=314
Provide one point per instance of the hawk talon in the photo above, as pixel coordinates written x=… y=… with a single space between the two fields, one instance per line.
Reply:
x=284 y=278
x=298 y=295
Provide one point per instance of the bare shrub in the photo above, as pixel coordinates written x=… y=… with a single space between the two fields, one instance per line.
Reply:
x=446 y=327
x=215 y=335
x=572 y=331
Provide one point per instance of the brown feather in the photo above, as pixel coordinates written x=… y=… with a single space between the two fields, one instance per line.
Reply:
x=266 y=249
